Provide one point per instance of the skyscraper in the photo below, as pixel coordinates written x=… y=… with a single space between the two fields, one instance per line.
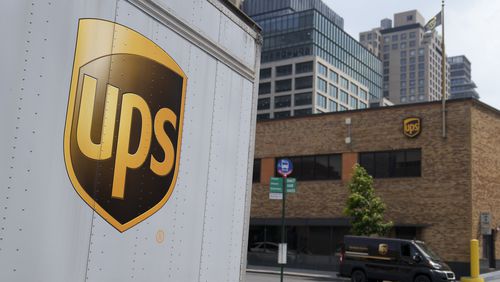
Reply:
x=309 y=63
x=461 y=84
x=411 y=58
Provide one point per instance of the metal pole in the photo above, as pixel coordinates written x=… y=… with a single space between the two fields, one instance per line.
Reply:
x=283 y=229
x=443 y=72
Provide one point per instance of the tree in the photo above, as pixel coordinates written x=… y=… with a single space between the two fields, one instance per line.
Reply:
x=365 y=209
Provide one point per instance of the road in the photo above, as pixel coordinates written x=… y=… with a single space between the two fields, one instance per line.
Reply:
x=261 y=277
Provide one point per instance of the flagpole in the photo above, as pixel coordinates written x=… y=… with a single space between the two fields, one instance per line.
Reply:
x=443 y=71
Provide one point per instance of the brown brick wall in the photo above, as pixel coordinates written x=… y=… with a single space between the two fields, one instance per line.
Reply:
x=349 y=159
x=266 y=170
x=485 y=170
x=439 y=199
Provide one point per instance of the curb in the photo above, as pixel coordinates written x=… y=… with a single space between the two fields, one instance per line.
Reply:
x=291 y=273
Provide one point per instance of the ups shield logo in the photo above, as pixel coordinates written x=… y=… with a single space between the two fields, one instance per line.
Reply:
x=124 y=123
x=383 y=249
x=412 y=126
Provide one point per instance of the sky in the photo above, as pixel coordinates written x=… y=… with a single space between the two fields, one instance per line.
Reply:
x=472 y=28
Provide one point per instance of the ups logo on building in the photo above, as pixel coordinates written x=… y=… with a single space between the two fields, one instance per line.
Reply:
x=412 y=126
x=123 y=123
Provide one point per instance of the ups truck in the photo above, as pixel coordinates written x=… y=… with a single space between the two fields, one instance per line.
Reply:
x=126 y=144
x=377 y=259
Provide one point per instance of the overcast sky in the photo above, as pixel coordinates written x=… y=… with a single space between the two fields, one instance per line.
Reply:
x=472 y=29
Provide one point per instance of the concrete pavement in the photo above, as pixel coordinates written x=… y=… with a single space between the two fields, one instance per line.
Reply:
x=271 y=274
x=268 y=274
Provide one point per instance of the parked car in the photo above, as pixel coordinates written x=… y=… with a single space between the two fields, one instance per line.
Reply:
x=375 y=259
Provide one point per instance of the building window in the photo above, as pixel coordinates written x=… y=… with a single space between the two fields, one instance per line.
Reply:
x=342 y=108
x=354 y=89
x=319 y=167
x=265 y=73
x=362 y=105
x=403 y=45
x=412 y=43
x=321 y=101
x=282 y=114
x=394 y=46
x=304 y=67
x=412 y=34
x=303 y=99
x=256 y=171
x=334 y=76
x=264 y=104
x=402 y=163
x=353 y=102
x=283 y=85
x=264 y=88
x=321 y=85
x=322 y=70
x=263 y=116
x=302 y=112
x=403 y=36
x=403 y=54
x=344 y=83
x=363 y=94
x=395 y=37
x=332 y=106
x=332 y=91
x=344 y=96
x=284 y=70
x=282 y=101
x=303 y=82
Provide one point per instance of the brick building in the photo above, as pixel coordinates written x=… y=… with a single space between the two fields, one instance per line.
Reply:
x=434 y=188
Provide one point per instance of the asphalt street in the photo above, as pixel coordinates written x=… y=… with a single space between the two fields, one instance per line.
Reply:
x=264 y=277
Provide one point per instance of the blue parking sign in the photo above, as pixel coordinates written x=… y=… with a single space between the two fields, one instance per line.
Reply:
x=285 y=167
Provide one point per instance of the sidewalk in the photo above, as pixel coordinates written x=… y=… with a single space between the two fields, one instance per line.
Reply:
x=491 y=276
x=295 y=272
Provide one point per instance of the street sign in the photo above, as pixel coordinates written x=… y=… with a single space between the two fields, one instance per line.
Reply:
x=276 y=187
x=285 y=167
x=282 y=253
x=291 y=185
x=485 y=218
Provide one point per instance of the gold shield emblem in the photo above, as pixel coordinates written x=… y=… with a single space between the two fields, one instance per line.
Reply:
x=383 y=249
x=124 y=122
x=412 y=126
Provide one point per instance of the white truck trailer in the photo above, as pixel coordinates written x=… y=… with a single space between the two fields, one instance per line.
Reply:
x=127 y=133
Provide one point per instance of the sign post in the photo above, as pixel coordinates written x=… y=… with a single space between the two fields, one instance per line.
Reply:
x=285 y=167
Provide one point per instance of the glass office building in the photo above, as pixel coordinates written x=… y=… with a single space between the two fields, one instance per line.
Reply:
x=295 y=28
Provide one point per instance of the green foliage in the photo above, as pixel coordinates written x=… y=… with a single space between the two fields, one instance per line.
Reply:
x=365 y=209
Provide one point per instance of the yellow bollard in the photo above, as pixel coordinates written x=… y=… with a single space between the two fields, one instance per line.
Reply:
x=474 y=264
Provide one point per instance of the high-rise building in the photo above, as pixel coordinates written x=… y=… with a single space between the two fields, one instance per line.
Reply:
x=309 y=64
x=411 y=58
x=461 y=84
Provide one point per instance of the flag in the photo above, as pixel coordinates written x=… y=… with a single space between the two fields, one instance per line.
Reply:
x=434 y=22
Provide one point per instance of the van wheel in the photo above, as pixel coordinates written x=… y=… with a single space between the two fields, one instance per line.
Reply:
x=358 y=276
x=422 y=278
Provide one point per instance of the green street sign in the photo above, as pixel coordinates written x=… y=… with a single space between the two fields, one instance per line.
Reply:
x=291 y=185
x=276 y=185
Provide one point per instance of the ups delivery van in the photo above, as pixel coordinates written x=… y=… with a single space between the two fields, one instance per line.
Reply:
x=376 y=259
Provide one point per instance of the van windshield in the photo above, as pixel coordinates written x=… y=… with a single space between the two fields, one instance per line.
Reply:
x=427 y=252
